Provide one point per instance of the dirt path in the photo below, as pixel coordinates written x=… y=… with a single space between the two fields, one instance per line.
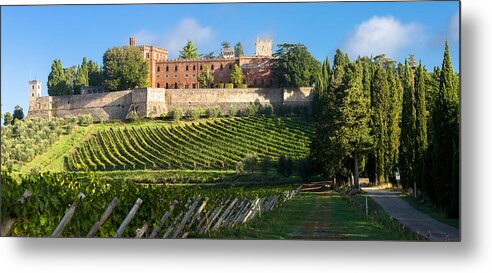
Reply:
x=413 y=219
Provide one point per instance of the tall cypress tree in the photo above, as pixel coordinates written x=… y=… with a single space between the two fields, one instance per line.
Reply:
x=420 y=125
x=354 y=116
x=394 y=120
x=379 y=105
x=407 y=137
x=81 y=76
x=57 y=82
x=445 y=139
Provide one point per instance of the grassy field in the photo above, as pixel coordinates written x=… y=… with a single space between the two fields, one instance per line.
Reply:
x=322 y=216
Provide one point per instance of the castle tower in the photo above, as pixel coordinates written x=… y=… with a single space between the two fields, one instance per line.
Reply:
x=34 y=90
x=132 y=41
x=263 y=47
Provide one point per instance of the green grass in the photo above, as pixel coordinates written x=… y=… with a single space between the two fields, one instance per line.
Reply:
x=53 y=159
x=431 y=210
x=324 y=216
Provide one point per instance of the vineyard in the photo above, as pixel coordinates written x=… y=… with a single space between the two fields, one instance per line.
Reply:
x=201 y=145
x=63 y=205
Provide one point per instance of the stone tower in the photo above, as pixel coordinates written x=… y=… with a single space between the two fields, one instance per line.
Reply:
x=263 y=47
x=132 y=41
x=34 y=90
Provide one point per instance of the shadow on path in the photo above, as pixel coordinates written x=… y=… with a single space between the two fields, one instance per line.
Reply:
x=412 y=218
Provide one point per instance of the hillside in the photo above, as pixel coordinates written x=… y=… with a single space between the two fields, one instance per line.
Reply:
x=204 y=144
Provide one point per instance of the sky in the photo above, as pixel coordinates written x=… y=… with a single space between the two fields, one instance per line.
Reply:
x=33 y=36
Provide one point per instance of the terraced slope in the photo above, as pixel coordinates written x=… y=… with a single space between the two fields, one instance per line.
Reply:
x=206 y=144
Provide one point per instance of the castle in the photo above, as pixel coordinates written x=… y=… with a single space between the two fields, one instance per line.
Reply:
x=174 y=84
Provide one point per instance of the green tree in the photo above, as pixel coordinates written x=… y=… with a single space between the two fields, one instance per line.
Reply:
x=81 y=76
x=236 y=75
x=379 y=104
x=210 y=55
x=57 y=82
x=189 y=51
x=407 y=137
x=420 y=125
x=354 y=117
x=294 y=66
x=394 y=120
x=445 y=139
x=124 y=68
x=94 y=73
x=18 y=113
x=205 y=78
x=238 y=50
x=8 y=119
x=226 y=45
x=70 y=73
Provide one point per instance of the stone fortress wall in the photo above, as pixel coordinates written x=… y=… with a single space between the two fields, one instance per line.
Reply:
x=154 y=102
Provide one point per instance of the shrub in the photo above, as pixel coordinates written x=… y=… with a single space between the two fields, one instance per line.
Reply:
x=249 y=110
x=177 y=114
x=213 y=112
x=268 y=110
x=132 y=116
x=304 y=168
x=241 y=85
x=240 y=167
x=194 y=113
x=266 y=163
x=229 y=85
x=251 y=163
x=284 y=165
x=220 y=85
x=84 y=120
x=233 y=110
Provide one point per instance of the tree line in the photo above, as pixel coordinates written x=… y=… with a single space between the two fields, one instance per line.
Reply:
x=380 y=118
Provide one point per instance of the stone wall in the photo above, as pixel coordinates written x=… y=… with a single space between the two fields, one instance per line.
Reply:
x=154 y=102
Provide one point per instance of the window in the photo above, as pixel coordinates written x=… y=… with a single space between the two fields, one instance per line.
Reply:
x=175 y=68
x=32 y=94
x=201 y=67
x=167 y=85
x=230 y=66
x=158 y=69
x=187 y=86
x=33 y=87
x=186 y=75
x=158 y=85
x=175 y=85
x=167 y=76
x=194 y=67
x=175 y=75
x=194 y=86
x=186 y=68
x=167 y=67
x=221 y=67
x=148 y=55
x=212 y=67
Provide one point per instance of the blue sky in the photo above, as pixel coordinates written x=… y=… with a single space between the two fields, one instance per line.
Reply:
x=33 y=36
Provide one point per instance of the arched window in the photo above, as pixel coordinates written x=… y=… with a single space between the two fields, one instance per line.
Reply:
x=175 y=68
x=212 y=67
x=194 y=68
x=167 y=85
x=187 y=68
x=175 y=85
x=158 y=69
x=221 y=67
x=158 y=85
x=167 y=67
x=201 y=67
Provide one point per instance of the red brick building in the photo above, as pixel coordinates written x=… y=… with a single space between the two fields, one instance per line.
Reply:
x=184 y=73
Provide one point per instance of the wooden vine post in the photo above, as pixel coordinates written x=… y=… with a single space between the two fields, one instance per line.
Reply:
x=103 y=218
x=66 y=218
x=128 y=218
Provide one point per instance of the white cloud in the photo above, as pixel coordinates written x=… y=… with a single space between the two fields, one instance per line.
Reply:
x=175 y=38
x=453 y=30
x=383 y=35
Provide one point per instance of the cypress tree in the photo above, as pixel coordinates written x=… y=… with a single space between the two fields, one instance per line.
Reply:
x=354 y=116
x=407 y=137
x=445 y=139
x=82 y=76
x=420 y=125
x=394 y=120
x=56 y=79
x=379 y=89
